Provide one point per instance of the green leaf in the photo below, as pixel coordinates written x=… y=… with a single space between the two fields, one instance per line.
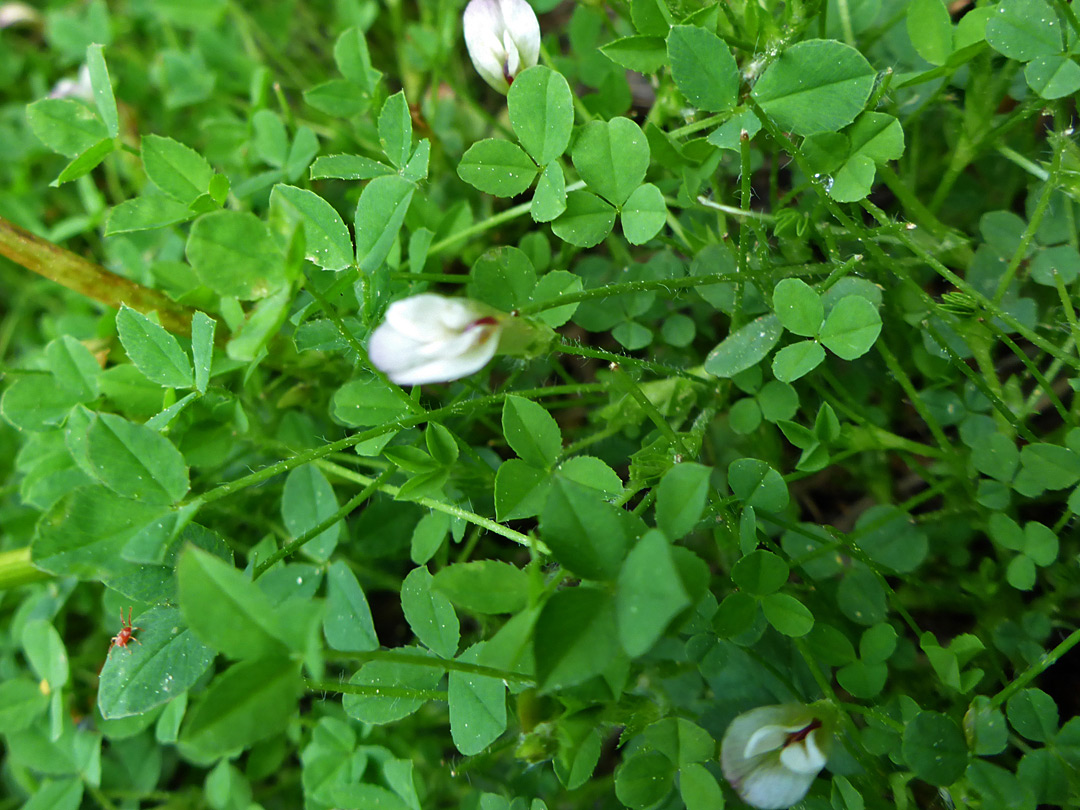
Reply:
x=651 y=17
x=851 y=328
x=644 y=54
x=1033 y=714
x=347 y=623
x=176 y=169
x=681 y=497
x=930 y=30
x=1053 y=76
x=396 y=683
x=698 y=788
x=429 y=613
x=891 y=539
x=541 y=109
x=270 y=139
x=306 y=501
x=155 y=352
x=497 y=167
x=797 y=360
x=84 y=532
x=202 y=348
x=874 y=138
x=760 y=573
x=583 y=532
x=648 y=595
x=934 y=748
x=146 y=213
x=586 y=220
x=787 y=614
x=326 y=239
x=367 y=401
x=353 y=60
x=553 y=285
x=798 y=306
x=520 y=489
x=477 y=706
x=863 y=679
x=549 y=198
x=21 y=703
x=233 y=254
x=703 y=68
x=65 y=126
x=643 y=214
x=1024 y=30
x=1048 y=466
x=1040 y=544
x=531 y=431
x=815 y=86
x=339 y=98
x=985 y=728
x=135 y=461
x=575 y=637
x=167 y=662
x=757 y=484
x=745 y=347
x=484 y=586
x=395 y=129
x=996 y=456
x=644 y=779
x=503 y=277
x=74 y=366
x=85 y=162
x=44 y=650
x=61 y=794
x=348 y=167
x=225 y=609
x=250 y=701
x=380 y=213
x=612 y=158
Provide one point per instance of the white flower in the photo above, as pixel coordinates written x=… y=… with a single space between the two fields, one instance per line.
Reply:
x=80 y=87
x=429 y=338
x=12 y=14
x=772 y=754
x=503 y=38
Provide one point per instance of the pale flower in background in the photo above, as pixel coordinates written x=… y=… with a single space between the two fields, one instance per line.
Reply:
x=771 y=755
x=430 y=338
x=503 y=38
x=12 y=14
x=79 y=87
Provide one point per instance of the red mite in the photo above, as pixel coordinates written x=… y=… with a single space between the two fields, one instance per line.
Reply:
x=125 y=635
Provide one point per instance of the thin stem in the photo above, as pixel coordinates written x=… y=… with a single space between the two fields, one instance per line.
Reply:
x=394 y=692
x=438 y=506
x=87 y=278
x=735 y=212
x=448 y=665
x=1036 y=669
x=612 y=357
x=697 y=126
x=346 y=510
x=490 y=222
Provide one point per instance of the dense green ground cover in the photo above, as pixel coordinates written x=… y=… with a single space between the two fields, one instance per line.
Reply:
x=782 y=408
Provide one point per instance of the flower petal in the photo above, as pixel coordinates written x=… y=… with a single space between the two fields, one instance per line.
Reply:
x=804 y=756
x=774 y=787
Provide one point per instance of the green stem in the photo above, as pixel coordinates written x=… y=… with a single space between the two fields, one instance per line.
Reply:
x=612 y=357
x=395 y=692
x=469 y=406
x=630 y=386
x=1043 y=382
x=447 y=665
x=1067 y=306
x=490 y=222
x=16 y=569
x=86 y=278
x=697 y=126
x=744 y=228
x=1036 y=669
x=438 y=506
x=346 y=510
x=1033 y=224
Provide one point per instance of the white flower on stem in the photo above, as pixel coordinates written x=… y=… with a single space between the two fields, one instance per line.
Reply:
x=430 y=338
x=503 y=38
x=80 y=87
x=771 y=755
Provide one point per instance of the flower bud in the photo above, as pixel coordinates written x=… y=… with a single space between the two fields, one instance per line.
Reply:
x=503 y=38
x=772 y=754
x=12 y=14
x=430 y=338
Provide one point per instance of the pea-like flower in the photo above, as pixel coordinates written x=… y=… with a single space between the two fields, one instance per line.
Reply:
x=503 y=38
x=430 y=338
x=771 y=755
x=12 y=14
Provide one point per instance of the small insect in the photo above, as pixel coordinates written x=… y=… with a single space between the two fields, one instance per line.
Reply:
x=125 y=636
